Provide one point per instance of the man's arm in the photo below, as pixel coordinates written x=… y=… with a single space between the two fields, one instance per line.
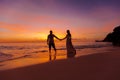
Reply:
x=57 y=37
x=47 y=40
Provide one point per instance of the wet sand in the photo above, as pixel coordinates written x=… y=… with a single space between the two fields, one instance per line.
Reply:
x=101 y=66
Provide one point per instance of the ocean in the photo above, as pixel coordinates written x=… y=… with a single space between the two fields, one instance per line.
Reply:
x=13 y=55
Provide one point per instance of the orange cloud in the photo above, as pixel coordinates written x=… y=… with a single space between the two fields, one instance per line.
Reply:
x=14 y=27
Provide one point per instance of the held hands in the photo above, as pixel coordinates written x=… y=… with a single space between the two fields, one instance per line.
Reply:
x=60 y=39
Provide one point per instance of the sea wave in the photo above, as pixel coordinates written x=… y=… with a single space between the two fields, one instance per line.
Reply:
x=4 y=56
x=88 y=46
x=19 y=47
x=91 y=46
x=7 y=57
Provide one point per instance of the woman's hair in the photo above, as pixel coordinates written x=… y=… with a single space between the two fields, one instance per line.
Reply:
x=68 y=32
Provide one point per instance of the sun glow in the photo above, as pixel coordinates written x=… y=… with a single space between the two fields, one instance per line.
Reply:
x=41 y=36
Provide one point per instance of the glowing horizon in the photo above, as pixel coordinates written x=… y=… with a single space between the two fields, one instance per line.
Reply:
x=31 y=20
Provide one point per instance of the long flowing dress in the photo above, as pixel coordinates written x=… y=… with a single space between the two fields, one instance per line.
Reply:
x=71 y=52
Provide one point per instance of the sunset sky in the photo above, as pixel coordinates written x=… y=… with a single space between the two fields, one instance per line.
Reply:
x=31 y=20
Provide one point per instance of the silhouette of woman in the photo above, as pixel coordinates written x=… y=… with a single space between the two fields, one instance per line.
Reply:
x=71 y=52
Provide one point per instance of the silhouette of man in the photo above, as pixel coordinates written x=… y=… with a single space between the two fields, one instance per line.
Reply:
x=50 y=42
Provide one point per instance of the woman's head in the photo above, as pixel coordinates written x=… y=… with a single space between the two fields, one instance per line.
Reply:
x=68 y=31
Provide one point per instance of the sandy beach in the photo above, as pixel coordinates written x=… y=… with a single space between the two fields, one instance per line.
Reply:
x=101 y=66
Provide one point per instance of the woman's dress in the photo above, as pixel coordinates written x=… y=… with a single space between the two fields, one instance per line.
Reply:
x=71 y=52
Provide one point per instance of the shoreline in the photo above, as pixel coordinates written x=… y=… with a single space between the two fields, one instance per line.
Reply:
x=40 y=58
x=101 y=66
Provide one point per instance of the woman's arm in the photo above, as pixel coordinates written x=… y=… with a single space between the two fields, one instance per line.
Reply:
x=64 y=37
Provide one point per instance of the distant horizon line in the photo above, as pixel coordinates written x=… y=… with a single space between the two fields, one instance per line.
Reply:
x=37 y=41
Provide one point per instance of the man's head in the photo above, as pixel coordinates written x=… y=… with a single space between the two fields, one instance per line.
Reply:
x=51 y=32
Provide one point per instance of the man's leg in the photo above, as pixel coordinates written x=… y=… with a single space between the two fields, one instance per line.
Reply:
x=54 y=50
x=53 y=45
x=49 y=51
